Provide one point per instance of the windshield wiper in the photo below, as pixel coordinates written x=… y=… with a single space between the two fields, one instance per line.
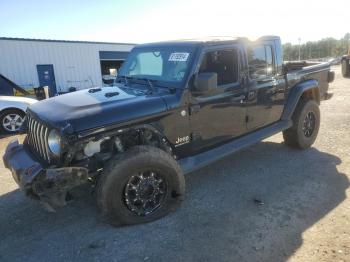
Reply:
x=150 y=82
x=125 y=78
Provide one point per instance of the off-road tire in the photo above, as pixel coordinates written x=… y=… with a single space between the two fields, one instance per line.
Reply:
x=5 y=113
x=295 y=136
x=345 y=68
x=118 y=171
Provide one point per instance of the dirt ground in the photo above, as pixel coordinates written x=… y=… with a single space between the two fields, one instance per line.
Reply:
x=304 y=214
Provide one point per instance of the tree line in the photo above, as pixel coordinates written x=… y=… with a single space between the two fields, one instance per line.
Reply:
x=327 y=47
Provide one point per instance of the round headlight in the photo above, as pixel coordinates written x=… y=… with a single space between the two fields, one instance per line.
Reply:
x=54 y=142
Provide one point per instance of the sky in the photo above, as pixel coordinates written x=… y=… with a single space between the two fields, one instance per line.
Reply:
x=136 y=21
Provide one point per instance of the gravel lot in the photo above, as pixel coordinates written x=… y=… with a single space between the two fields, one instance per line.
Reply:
x=305 y=215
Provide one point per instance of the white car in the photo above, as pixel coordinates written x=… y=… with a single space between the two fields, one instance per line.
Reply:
x=12 y=112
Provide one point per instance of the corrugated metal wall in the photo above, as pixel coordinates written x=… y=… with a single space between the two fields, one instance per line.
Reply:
x=75 y=64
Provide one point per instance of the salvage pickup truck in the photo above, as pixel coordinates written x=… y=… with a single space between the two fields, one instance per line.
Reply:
x=174 y=108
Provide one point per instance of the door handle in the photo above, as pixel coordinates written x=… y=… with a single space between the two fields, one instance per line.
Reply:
x=238 y=98
x=263 y=81
x=267 y=80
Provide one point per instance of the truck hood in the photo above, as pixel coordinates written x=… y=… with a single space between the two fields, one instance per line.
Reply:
x=98 y=107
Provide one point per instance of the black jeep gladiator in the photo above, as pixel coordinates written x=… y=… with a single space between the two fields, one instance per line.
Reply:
x=175 y=107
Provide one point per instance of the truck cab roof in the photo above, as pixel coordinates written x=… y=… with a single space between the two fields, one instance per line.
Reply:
x=208 y=41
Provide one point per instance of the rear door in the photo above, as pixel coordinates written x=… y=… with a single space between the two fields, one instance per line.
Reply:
x=261 y=95
x=219 y=116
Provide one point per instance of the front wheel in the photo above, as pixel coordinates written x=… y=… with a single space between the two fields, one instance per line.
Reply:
x=306 y=123
x=139 y=186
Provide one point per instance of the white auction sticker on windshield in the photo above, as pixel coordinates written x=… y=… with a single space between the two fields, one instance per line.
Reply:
x=179 y=57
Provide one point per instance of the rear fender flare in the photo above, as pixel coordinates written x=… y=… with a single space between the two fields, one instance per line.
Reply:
x=296 y=93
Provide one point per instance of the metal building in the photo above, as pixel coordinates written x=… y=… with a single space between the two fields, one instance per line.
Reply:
x=59 y=64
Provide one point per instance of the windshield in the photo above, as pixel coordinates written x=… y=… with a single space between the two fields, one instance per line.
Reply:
x=166 y=64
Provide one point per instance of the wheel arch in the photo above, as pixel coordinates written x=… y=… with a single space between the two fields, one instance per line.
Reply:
x=312 y=94
x=156 y=130
x=149 y=132
x=12 y=108
x=308 y=89
x=164 y=142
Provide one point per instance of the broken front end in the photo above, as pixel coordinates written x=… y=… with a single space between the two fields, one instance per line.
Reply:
x=49 y=185
x=50 y=163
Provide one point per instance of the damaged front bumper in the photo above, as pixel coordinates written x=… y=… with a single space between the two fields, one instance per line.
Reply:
x=49 y=185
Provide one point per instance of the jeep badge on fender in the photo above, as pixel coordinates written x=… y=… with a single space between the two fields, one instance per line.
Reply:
x=182 y=140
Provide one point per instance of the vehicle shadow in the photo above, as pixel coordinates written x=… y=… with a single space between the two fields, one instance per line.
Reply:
x=251 y=206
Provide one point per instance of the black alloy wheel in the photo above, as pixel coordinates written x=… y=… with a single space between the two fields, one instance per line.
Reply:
x=309 y=124
x=145 y=192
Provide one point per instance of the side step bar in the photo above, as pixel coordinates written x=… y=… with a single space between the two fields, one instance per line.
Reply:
x=192 y=163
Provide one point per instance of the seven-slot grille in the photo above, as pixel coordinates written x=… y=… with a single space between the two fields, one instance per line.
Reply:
x=37 y=138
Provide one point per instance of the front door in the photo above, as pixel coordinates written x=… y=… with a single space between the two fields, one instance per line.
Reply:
x=46 y=77
x=220 y=115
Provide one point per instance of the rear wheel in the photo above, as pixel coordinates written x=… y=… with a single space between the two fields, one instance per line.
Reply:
x=11 y=121
x=306 y=123
x=345 y=68
x=139 y=186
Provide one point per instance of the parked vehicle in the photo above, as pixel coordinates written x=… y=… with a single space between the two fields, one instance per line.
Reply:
x=12 y=112
x=176 y=107
x=345 y=65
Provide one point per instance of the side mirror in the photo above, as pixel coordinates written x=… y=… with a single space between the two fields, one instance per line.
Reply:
x=206 y=82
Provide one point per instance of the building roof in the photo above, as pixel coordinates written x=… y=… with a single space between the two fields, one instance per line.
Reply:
x=62 y=41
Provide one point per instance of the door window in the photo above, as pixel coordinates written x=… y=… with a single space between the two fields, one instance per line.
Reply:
x=261 y=63
x=222 y=62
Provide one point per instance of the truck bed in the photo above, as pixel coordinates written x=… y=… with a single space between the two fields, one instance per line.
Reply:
x=306 y=70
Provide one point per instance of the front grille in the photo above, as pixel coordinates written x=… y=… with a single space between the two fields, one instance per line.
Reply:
x=37 y=138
